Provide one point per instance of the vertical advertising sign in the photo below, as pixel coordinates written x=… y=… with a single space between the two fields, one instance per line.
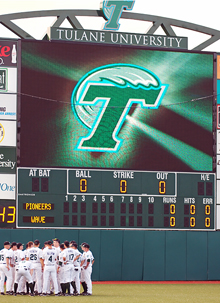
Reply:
x=218 y=142
x=8 y=117
x=218 y=91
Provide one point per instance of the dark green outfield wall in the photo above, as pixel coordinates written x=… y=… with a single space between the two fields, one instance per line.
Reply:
x=139 y=255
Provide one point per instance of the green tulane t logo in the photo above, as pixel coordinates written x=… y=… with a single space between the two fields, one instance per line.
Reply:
x=102 y=99
x=112 y=10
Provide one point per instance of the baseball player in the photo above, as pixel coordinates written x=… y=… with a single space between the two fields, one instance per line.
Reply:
x=86 y=272
x=48 y=262
x=34 y=255
x=76 y=270
x=10 y=283
x=20 y=256
x=56 y=244
x=61 y=270
x=68 y=268
x=23 y=278
x=24 y=268
x=5 y=266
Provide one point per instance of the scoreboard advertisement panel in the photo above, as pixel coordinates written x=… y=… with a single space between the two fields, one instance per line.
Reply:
x=115 y=137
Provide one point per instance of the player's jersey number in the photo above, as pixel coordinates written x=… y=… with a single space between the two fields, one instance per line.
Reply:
x=33 y=257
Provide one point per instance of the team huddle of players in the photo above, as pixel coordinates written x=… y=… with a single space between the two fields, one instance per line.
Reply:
x=56 y=268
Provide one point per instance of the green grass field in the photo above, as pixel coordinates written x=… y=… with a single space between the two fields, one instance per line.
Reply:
x=132 y=293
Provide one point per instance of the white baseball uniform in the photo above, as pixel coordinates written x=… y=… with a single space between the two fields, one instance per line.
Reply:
x=10 y=282
x=34 y=255
x=61 y=267
x=50 y=257
x=87 y=272
x=23 y=269
x=4 y=253
x=22 y=283
x=58 y=273
x=77 y=269
x=19 y=255
x=68 y=268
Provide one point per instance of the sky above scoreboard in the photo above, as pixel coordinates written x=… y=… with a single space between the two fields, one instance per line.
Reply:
x=204 y=13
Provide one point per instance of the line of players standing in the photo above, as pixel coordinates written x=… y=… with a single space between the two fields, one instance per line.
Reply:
x=56 y=268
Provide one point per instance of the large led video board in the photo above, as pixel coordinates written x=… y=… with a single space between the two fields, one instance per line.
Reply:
x=104 y=106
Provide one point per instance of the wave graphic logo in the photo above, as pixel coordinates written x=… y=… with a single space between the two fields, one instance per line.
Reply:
x=103 y=97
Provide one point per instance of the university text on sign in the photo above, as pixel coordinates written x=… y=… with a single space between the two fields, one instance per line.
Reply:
x=108 y=37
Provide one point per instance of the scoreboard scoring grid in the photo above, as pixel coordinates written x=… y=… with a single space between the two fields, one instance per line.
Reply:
x=110 y=199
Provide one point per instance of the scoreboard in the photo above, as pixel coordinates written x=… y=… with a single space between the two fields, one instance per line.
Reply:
x=112 y=137
x=112 y=199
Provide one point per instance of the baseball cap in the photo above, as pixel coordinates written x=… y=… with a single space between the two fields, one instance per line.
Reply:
x=6 y=243
x=36 y=242
x=13 y=244
x=49 y=242
x=86 y=245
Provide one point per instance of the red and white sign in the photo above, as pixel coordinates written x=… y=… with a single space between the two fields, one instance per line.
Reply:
x=8 y=53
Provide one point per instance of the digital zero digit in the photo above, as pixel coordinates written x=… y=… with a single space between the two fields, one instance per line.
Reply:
x=172 y=209
x=83 y=185
x=192 y=209
x=192 y=222
x=207 y=222
x=123 y=186
x=172 y=221
x=162 y=187
x=207 y=209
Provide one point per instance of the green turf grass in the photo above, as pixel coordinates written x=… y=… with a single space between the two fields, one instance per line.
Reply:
x=135 y=293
